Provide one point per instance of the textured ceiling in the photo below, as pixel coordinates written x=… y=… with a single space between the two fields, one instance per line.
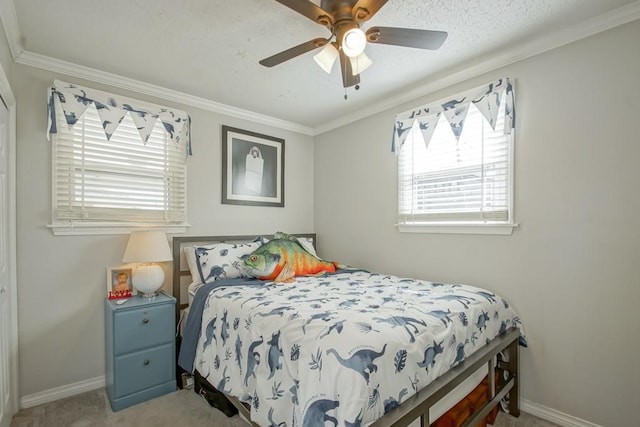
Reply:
x=211 y=48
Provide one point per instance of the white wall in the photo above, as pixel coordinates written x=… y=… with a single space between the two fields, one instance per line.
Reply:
x=6 y=60
x=62 y=280
x=572 y=268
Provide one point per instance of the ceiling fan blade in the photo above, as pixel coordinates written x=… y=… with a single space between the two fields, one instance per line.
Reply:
x=310 y=10
x=348 y=79
x=364 y=10
x=285 y=55
x=421 y=39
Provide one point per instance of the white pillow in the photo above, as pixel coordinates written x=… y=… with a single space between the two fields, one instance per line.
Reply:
x=307 y=243
x=190 y=257
x=220 y=260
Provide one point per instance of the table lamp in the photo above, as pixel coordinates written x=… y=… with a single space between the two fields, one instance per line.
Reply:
x=147 y=248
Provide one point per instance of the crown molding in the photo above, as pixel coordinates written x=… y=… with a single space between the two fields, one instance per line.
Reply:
x=606 y=21
x=74 y=70
x=9 y=21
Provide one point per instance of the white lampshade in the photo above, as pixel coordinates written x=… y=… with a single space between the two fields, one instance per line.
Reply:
x=147 y=247
x=354 y=42
x=326 y=57
x=360 y=63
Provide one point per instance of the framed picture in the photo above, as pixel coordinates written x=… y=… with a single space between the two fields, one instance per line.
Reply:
x=119 y=282
x=252 y=168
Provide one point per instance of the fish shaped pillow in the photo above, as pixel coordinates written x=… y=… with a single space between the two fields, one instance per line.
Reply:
x=283 y=258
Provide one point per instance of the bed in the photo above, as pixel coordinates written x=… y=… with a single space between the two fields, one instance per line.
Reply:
x=348 y=348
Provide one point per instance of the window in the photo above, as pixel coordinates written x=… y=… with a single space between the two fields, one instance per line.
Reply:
x=460 y=180
x=108 y=184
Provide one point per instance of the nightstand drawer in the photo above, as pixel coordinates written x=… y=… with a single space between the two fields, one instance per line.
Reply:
x=144 y=369
x=140 y=349
x=143 y=328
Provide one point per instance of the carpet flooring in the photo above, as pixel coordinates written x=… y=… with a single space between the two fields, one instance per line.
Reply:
x=181 y=408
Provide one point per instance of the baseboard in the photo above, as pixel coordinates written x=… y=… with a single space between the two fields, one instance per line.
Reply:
x=57 y=393
x=556 y=417
x=50 y=395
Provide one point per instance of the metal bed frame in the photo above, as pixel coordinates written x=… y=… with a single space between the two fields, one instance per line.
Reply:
x=492 y=355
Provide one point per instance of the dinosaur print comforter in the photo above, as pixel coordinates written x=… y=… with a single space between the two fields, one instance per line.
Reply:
x=344 y=348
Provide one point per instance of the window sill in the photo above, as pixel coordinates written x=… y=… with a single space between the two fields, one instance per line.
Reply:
x=460 y=228
x=70 y=229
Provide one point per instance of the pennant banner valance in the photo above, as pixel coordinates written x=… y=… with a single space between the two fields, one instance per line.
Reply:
x=74 y=100
x=487 y=100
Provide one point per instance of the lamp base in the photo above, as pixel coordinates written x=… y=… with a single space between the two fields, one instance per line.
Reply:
x=149 y=295
x=148 y=279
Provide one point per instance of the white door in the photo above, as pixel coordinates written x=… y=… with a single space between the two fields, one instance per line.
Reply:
x=6 y=398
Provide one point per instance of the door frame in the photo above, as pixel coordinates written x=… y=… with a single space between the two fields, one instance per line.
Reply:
x=7 y=95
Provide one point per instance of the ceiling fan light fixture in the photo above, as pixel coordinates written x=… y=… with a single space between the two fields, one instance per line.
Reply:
x=354 y=42
x=360 y=63
x=326 y=57
x=344 y=18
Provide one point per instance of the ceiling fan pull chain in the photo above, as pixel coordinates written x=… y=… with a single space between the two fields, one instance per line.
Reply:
x=344 y=19
x=343 y=65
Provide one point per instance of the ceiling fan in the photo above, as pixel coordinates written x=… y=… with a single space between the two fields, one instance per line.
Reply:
x=343 y=18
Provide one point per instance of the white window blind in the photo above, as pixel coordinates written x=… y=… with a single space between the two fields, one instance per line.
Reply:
x=120 y=181
x=456 y=181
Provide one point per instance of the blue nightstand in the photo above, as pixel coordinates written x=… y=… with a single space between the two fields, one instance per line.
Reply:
x=140 y=349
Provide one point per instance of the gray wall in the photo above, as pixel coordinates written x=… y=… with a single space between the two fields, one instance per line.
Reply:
x=62 y=279
x=572 y=267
